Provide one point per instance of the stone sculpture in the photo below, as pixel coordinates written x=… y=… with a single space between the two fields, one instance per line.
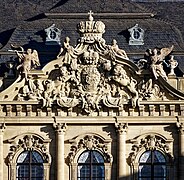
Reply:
x=155 y=59
x=86 y=75
x=28 y=60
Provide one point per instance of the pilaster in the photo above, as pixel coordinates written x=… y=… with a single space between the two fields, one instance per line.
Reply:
x=60 y=132
x=122 y=131
x=2 y=128
x=181 y=150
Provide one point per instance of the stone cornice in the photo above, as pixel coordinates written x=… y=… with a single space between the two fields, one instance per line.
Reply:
x=100 y=15
x=91 y=120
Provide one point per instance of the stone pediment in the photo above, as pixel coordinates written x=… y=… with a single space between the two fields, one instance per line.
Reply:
x=92 y=76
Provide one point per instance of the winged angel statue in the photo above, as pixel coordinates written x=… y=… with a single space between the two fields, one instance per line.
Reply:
x=28 y=59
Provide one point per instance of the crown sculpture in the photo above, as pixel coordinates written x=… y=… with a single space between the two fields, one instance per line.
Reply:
x=89 y=77
x=91 y=30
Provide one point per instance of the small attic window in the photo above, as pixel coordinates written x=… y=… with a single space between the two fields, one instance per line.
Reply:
x=136 y=35
x=53 y=35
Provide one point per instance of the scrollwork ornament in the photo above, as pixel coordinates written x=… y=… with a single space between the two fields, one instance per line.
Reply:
x=85 y=76
x=28 y=143
x=89 y=142
x=149 y=142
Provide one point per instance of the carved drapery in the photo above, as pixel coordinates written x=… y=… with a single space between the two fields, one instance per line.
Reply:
x=151 y=142
x=89 y=142
x=28 y=142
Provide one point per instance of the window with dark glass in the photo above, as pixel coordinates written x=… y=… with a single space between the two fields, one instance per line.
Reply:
x=91 y=166
x=53 y=35
x=136 y=34
x=152 y=166
x=29 y=166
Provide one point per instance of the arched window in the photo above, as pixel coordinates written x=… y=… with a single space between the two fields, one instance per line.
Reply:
x=91 y=166
x=29 y=166
x=152 y=165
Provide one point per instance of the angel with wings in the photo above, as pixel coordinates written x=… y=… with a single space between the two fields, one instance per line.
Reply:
x=156 y=59
x=28 y=60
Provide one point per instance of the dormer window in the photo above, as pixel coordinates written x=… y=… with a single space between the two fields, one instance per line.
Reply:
x=53 y=35
x=136 y=35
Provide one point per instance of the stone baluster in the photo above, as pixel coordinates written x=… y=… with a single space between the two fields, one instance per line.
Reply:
x=122 y=130
x=60 y=132
x=2 y=128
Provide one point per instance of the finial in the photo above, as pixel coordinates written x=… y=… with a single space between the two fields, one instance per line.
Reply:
x=90 y=15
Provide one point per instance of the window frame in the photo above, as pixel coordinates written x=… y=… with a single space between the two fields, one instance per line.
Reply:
x=19 y=145
x=91 y=164
x=152 y=164
x=30 y=165
x=86 y=142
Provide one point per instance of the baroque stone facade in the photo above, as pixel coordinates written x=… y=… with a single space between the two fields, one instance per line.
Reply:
x=92 y=107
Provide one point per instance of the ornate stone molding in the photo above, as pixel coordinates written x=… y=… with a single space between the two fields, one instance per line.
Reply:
x=136 y=35
x=26 y=143
x=150 y=142
x=89 y=142
x=91 y=78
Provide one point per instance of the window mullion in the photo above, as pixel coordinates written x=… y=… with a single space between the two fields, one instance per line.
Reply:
x=152 y=165
x=91 y=173
x=30 y=161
